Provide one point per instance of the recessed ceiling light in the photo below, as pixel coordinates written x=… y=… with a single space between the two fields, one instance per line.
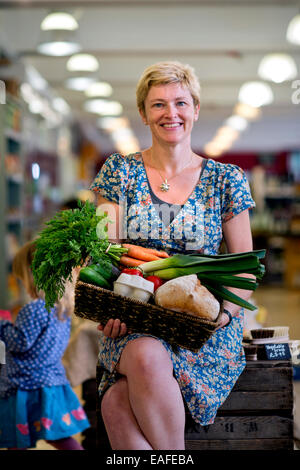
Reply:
x=293 y=31
x=277 y=68
x=79 y=83
x=59 y=20
x=238 y=123
x=99 y=89
x=103 y=107
x=82 y=63
x=58 y=48
x=248 y=112
x=256 y=94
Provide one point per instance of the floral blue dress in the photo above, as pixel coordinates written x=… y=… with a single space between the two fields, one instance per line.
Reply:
x=206 y=377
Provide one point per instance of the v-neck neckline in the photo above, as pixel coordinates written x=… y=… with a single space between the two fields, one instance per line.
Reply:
x=205 y=162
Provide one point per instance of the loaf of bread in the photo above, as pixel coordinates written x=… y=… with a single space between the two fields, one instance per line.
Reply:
x=186 y=294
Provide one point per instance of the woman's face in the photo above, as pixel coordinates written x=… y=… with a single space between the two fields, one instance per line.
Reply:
x=170 y=113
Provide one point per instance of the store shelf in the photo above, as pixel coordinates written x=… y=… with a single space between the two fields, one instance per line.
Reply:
x=11 y=198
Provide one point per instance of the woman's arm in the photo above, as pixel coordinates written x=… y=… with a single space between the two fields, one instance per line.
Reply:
x=238 y=239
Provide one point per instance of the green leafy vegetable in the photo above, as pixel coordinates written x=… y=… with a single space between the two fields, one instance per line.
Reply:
x=65 y=243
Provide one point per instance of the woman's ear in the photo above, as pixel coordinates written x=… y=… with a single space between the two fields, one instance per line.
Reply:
x=144 y=119
x=197 y=109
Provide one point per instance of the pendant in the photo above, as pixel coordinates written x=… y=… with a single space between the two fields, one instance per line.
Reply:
x=165 y=186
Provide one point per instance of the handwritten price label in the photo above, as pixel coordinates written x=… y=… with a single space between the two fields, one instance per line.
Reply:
x=277 y=351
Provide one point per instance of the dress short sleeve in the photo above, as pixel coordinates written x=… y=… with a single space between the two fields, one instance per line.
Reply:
x=112 y=180
x=236 y=195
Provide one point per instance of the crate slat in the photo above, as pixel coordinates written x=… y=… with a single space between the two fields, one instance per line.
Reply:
x=243 y=427
x=241 y=444
x=258 y=401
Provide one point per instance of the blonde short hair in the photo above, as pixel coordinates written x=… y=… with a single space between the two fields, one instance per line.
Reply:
x=21 y=269
x=163 y=73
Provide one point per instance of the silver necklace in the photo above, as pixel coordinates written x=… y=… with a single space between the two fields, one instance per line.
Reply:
x=165 y=185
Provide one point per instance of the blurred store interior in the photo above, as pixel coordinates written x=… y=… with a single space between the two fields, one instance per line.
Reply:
x=65 y=108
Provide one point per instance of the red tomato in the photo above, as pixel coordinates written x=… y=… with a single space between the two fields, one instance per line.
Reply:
x=157 y=281
x=132 y=271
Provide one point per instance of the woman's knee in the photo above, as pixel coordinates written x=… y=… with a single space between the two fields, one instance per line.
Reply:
x=146 y=357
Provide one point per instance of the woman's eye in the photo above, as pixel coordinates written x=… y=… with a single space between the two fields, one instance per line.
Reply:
x=181 y=103
x=158 y=105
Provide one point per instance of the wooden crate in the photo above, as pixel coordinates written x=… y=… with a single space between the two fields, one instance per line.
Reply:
x=257 y=415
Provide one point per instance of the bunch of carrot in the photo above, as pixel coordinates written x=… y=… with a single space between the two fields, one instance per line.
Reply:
x=137 y=255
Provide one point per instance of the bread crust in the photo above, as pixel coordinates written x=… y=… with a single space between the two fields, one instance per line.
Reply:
x=186 y=294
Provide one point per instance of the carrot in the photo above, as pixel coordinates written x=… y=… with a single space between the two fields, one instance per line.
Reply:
x=130 y=262
x=142 y=251
x=138 y=252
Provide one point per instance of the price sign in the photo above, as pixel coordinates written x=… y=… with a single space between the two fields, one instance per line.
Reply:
x=277 y=351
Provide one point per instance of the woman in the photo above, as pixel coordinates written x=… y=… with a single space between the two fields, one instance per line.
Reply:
x=147 y=385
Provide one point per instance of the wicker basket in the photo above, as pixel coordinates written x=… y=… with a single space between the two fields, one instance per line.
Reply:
x=179 y=329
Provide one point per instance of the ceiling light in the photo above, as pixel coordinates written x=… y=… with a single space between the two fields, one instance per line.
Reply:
x=58 y=45
x=103 y=107
x=35 y=78
x=79 y=83
x=212 y=150
x=82 y=63
x=122 y=134
x=110 y=124
x=99 y=89
x=277 y=68
x=238 y=123
x=221 y=144
x=125 y=148
x=59 y=20
x=58 y=35
x=293 y=31
x=60 y=105
x=248 y=112
x=227 y=133
x=256 y=94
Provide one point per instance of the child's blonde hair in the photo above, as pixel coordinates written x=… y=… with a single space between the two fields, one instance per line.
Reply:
x=163 y=73
x=21 y=269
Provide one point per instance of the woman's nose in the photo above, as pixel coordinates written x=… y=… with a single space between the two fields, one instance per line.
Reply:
x=171 y=110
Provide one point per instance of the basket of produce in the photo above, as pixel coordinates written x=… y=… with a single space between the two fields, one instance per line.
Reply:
x=174 y=297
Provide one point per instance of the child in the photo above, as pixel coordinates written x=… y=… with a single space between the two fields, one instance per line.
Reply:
x=36 y=399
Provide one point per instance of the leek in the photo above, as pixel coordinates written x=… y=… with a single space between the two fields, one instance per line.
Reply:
x=185 y=261
x=258 y=253
x=230 y=281
x=214 y=272
x=224 y=294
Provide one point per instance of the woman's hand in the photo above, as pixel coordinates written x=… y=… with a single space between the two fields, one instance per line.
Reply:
x=113 y=328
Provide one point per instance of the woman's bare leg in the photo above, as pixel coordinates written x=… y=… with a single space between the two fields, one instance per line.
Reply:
x=122 y=428
x=153 y=394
